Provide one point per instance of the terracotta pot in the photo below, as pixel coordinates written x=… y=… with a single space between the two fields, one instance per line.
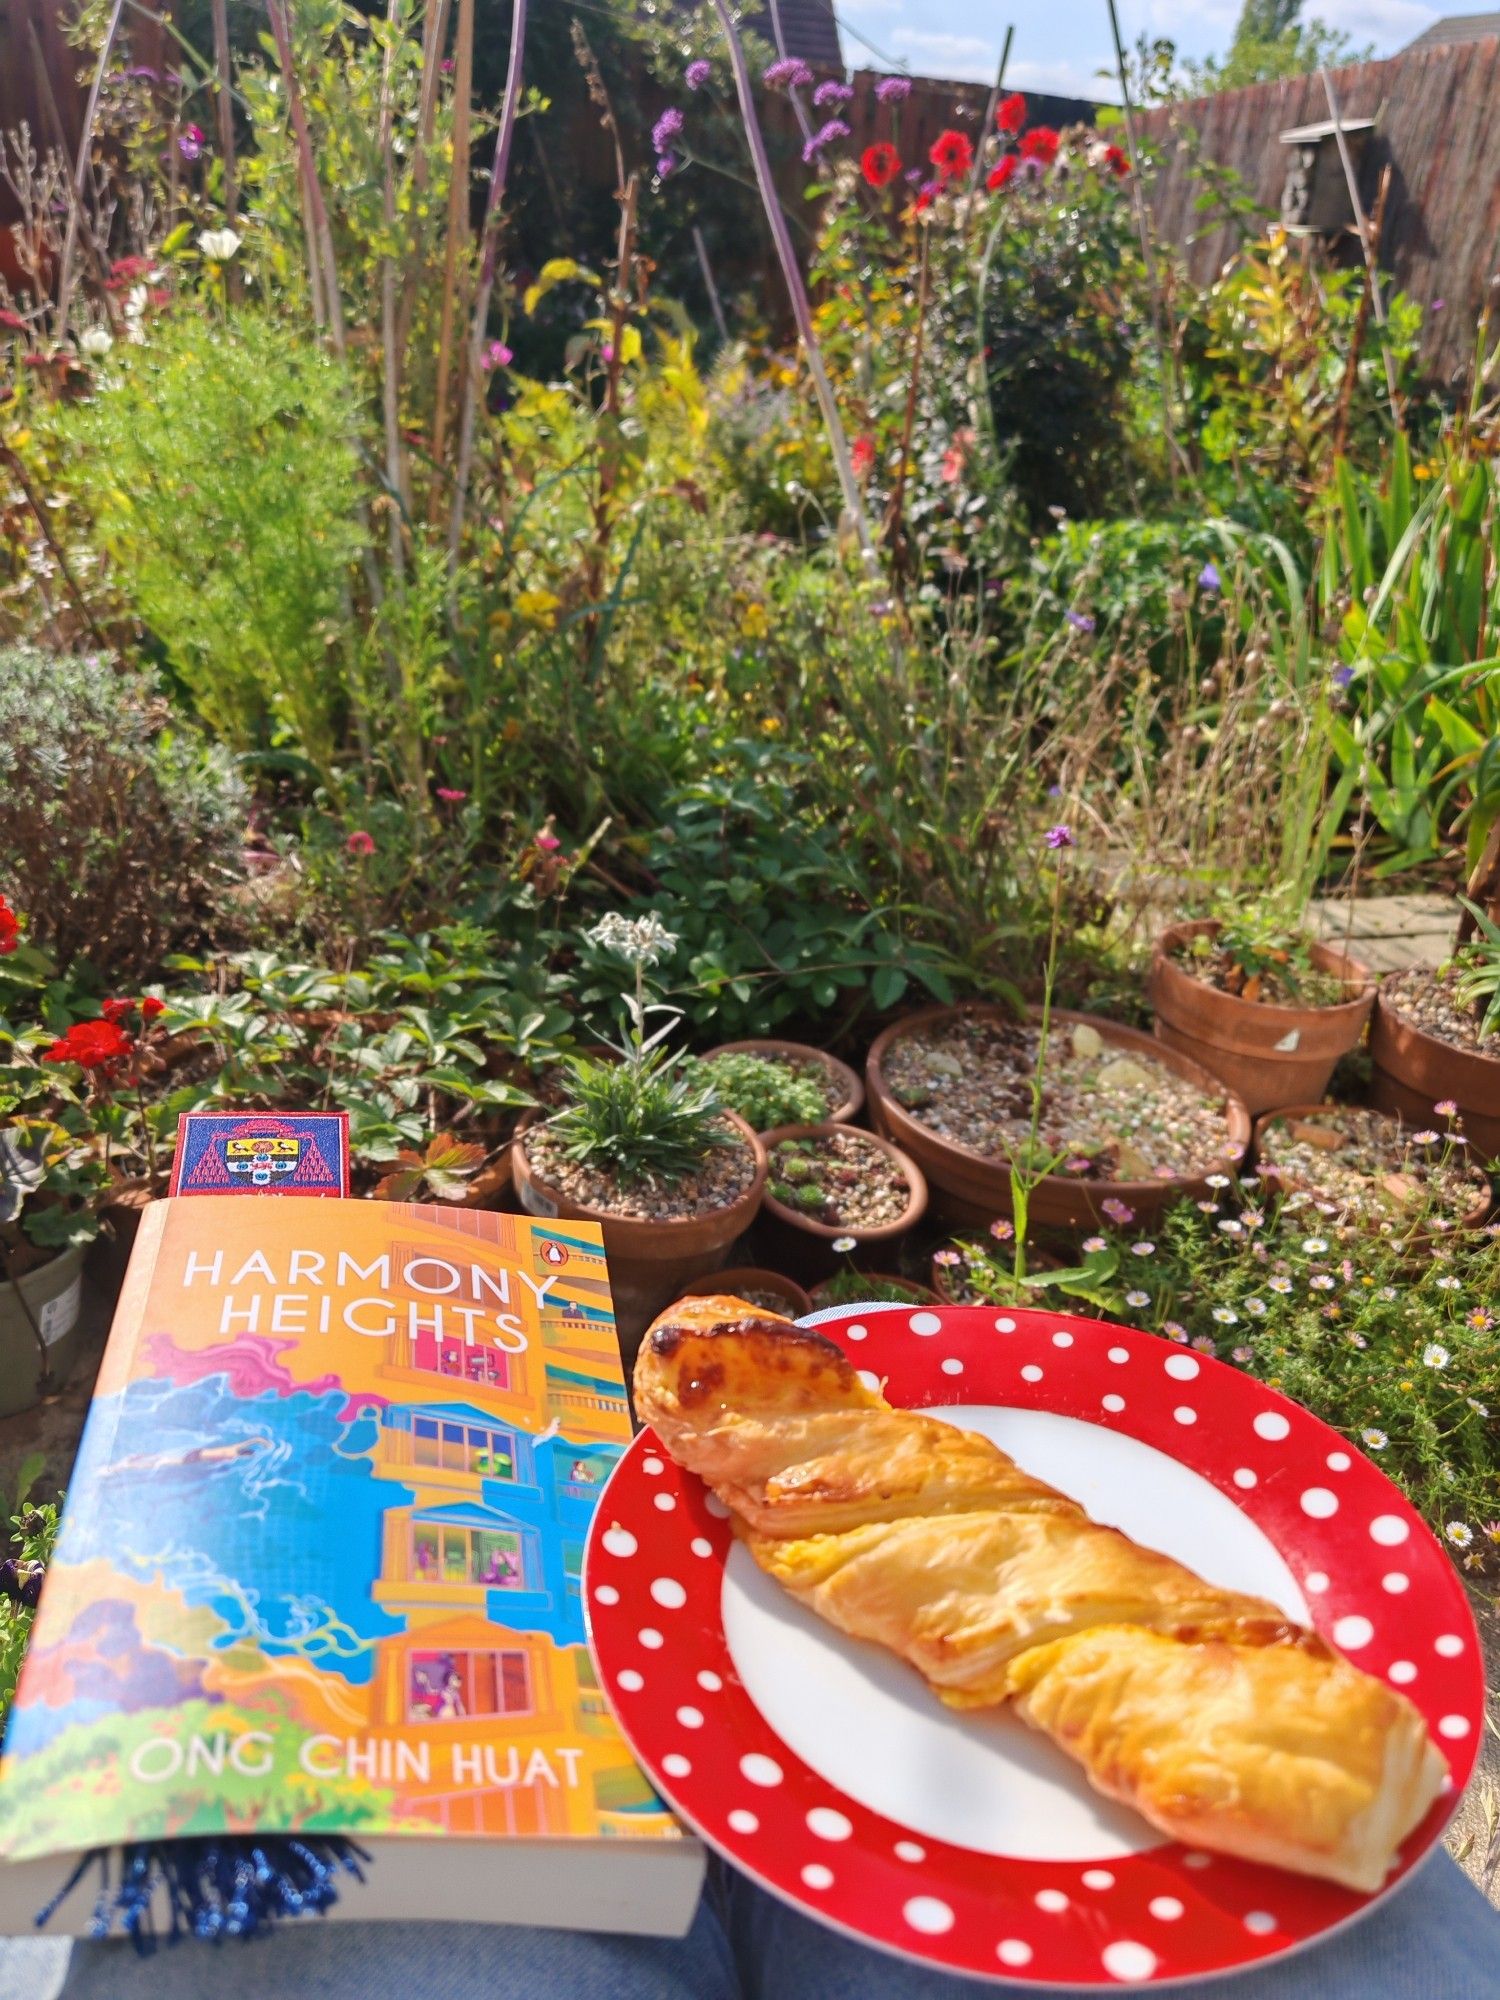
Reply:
x=972 y=1187
x=1269 y=1056
x=494 y=1185
x=807 y=1244
x=650 y=1263
x=1328 y=1114
x=1414 y=1071
x=921 y=1295
x=735 y=1284
x=851 y=1090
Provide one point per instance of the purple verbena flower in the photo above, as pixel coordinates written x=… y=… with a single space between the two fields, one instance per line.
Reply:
x=1060 y=836
x=1341 y=676
x=1080 y=621
x=697 y=74
x=666 y=164
x=190 y=142
x=823 y=138
x=893 y=89
x=791 y=73
x=832 y=92
x=1208 y=579
x=665 y=130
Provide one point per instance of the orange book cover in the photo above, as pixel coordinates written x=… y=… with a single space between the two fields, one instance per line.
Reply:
x=319 y=1566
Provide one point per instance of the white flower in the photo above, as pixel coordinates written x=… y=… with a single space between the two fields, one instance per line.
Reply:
x=97 y=341
x=1376 y=1440
x=1226 y=1316
x=1448 y=1284
x=1459 y=1532
x=1232 y=1228
x=641 y=941
x=844 y=1244
x=1217 y=1180
x=1142 y=1249
x=135 y=314
x=1482 y=1408
x=1092 y=1245
x=1435 y=1356
x=1138 y=1298
x=1386 y=1292
x=1313 y=1245
x=1256 y=1308
x=1322 y=1282
x=1279 y=1284
x=218 y=245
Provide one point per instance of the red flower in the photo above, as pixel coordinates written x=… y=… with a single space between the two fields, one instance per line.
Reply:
x=151 y=1007
x=863 y=457
x=128 y=271
x=1040 y=143
x=117 y=1010
x=360 y=844
x=99 y=1045
x=927 y=195
x=10 y=928
x=881 y=164
x=14 y=322
x=1116 y=161
x=1002 y=175
x=1011 y=115
x=952 y=154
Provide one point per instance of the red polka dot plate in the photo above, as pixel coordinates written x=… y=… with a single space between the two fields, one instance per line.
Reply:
x=828 y=1770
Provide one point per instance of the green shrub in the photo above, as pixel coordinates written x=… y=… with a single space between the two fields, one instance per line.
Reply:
x=767 y=1093
x=647 y=1118
x=119 y=830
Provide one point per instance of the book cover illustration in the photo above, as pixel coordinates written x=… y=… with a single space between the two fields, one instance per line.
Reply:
x=237 y=1152
x=320 y=1558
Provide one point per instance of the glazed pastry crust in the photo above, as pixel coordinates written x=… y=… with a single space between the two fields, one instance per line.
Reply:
x=1218 y=1719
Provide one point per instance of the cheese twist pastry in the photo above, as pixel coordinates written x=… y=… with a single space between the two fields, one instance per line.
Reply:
x=1221 y=1721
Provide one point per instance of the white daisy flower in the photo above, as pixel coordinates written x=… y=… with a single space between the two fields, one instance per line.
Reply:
x=1460 y=1533
x=1376 y=1440
x=1435 y=1355
x=1226 y=1316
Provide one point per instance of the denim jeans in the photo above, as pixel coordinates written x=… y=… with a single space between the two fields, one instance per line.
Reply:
x=1436 y=1939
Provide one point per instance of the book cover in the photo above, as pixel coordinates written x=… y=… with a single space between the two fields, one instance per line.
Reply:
x=320 y=1555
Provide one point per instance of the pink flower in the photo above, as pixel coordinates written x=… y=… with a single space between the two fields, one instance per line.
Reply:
x=547 y=841
x=451 y=797
x=190 y=143
x=497 y=355
x=1118 y=1211
x=360 y=844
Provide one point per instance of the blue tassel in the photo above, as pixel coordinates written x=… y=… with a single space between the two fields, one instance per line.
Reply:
x=228 y=1887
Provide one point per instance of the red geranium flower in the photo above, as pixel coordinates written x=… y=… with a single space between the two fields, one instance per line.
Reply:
x=93 y=1045
x=881 y=164
x=1002 y=175
x=952 y=154
x=863 y=456
x=928 y=194
x=1012 y=113
x=10 y=928
x=1040 y=143
x=1116 y=161
x=151 y=1007
x=360 y=843
x=117 y=1010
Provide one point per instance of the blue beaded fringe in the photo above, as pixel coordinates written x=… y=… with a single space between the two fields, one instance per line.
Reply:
x=230 y=1887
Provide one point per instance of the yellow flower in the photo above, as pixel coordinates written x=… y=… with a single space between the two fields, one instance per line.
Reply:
x=539 y=607
x=755 y=624
x=510 y=730
x=771 y=726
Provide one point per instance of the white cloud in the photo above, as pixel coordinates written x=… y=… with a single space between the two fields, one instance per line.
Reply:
x=950 y=56
x=881 y=8
x=1064 y=79
x=1389 y=24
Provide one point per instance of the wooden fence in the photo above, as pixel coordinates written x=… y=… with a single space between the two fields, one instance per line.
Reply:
x=1437 y=113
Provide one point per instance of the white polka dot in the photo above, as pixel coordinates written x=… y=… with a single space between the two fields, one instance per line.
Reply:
x=1196 y=1860
x=828 y=1824
x=668 y=1593
x=908 y=1850
x=666 y=1502
x=1013 y=1951
x=709 y=1681
x=606 y=1594
x=1401 y=1671
x=1004 y=1325
x=1454 y=1727
x=619 y=1542
x=1261 y=1922
x=1395 y=1581
x=744 y=1822
x=630 y=1680
x=1166 y=1909
x=817 y=1875
x=760 y=1770
x=1271 y=1425
x=1244 y=1477
x=1315 y=1581
x=675 y=1765
x=1389 y=1530
x=925 y=1323
x=1339 y=1461
x=690 y=1718
x=1185 y=1415
x=716 y=1506
x=1062 y=1340
x=1119 y=1354
x=1098 y=1878
x=1447 y=1785
x=1126 y=1960
x=701 y=1546
x=953 y=1366
x=1318 y=1502
x=1031 y=1374
x=1449 y=1645
x=1052 y=1900
x=1113 y=1402
x=1181 y=1367
x=870 y=1381
x=1353 y=1632
x=856 y=1333
x=652 y=1465
x=928 y=1915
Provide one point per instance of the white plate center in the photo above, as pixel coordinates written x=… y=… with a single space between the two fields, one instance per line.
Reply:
x=870 y=1725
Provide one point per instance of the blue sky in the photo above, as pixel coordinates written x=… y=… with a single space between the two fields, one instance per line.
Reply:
x=1060 y=44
